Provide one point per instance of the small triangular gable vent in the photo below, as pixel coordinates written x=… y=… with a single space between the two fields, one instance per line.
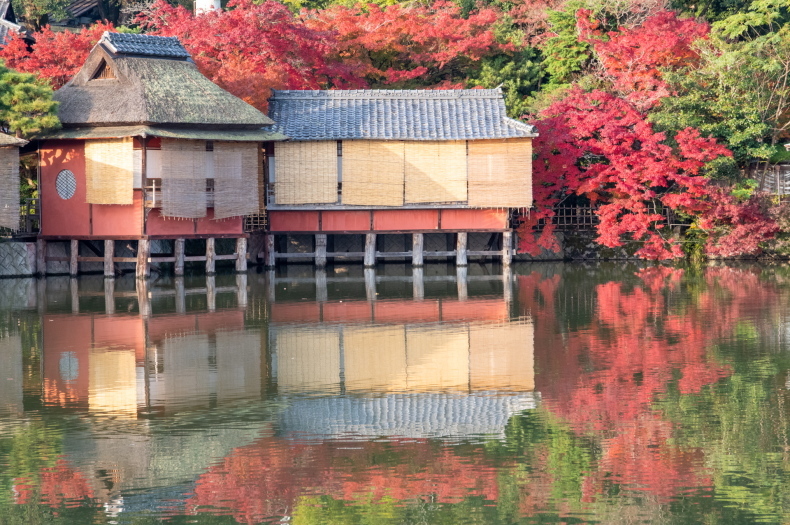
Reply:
x=103 y=71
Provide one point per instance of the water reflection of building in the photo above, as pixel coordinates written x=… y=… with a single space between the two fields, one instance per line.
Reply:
x=10 y=374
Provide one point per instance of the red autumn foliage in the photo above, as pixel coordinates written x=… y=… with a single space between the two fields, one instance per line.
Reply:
x=57 y=56
x=634 y=58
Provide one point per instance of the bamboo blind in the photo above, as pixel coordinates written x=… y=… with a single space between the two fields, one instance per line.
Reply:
x=435 y=171
x=109 y=171
x=236 y=173
x=373 y=173
x=375 y=358
x=502 y=356
x=183 y=178
x=306 y=172
x=500 y=173
x=308 y=359
x=437 y=358
x=9 y=188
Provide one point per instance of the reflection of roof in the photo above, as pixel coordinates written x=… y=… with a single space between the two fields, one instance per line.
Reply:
x=460 y=114
x=406 y=415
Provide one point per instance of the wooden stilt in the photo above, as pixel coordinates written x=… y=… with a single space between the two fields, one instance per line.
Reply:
x=143 y=251
x=109 y=253
x=41 y=257
x=181 y=296
x=418 y=284
x=507 y=248
x=241 y=290
x=269 y=259
x=320 y=250
x=75 y=296
x=463 y=290
x=211 y=254
x=270 y=286
x=241 y=255
x=417 y=240
x=321 y=294
x=460 y=249
x=143 y=301
x=211 y=293
x=370 y=250
x=109 y=296
x=74 y=252
x=178 y=253
x=370 y=284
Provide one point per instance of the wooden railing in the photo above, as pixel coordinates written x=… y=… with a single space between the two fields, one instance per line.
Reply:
x=584 y=218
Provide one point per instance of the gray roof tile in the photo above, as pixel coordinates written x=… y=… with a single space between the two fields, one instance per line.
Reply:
x=462 y=114
x=144 y=45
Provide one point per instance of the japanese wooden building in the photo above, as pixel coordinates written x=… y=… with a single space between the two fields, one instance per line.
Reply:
x=150 y=149
x=9 y=181
x=391 y=172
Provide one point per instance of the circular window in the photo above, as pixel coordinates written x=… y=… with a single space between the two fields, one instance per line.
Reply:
x=66 y=184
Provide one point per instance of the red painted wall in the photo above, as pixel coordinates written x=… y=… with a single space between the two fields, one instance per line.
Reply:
x=404 y=220
x=293 y=221
x=474 y=219
x=58 y=216
x=208 y=225
x=163 y=226
x=114 y=219
x=345 y=221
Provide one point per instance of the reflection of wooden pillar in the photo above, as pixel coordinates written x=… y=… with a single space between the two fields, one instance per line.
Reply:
x=41 y=296
x=41 y=257
x=370 y=250
x=181 y=296
x=460 y=276
x=241 y=254
x=268 y=246
x=460 y=249
x=418 y=284
x=109 y=253
x=320 y=250
x=143 y=251
x=143 y=301
x=211 y=253
x=417 y=240
x=178 y=253
x=75 y=295
x=320 y=286
x=211 y=293
x=109 y=296
x=74 y=252
x=507 y=248
x=507 y=283
x=370 y=284
x=241 y=290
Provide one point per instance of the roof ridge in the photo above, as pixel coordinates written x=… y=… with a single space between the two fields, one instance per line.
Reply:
x=143 y=45
x=377 y=94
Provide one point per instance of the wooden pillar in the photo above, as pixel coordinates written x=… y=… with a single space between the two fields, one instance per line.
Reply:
x=370 y=284
x=41 y=257
x=320 y=250
x=241 y=290
x=460 y=277
x=321 y=293
x=211 y=293
x=75 y=295
x=109 y=296
x=74 y=252
x=418 y=284
x=241 y=255
x=370 y=250
x=178 y=253
x=109 y=253
x=268 y=246
x=507 y=248
x=181 y=295
x=143 y=251
x=417 y=240
x=271 y=286
x=211 y=253
x=143 y=301
x=460 y=249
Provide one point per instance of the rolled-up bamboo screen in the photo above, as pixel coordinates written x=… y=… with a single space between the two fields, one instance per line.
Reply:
x=500 y=173
x=502 y=356
x=437 y=358
x=308 y=359
x=306 y=172
x=9 y=188
x=373 y=173
x=375 y=358
x=183 y=178
x=109 y=171
x=235 y=179
x=435 y=171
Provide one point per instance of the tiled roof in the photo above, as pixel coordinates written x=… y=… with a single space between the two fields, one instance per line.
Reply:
x=7 y=31
x=463 y=114
x=144 y=45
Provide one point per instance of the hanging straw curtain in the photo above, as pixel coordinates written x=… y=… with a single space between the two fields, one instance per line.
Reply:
x=9 y=188
x=500 y=173
x=236 y=171
x=183 y=178
x=306 y=172
x=109 y=171
x=435 y=171
x=373 y=173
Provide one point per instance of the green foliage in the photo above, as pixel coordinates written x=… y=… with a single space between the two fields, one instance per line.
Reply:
x=26 y=105
x=565 y=56
x=519 y=75
x=711 y=10
x=37 y=13
x=743 y=190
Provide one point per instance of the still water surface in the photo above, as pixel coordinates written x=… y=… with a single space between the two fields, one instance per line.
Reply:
x=553 y=393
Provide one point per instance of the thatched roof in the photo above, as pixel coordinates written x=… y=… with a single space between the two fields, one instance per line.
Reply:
x=455 y=114
x=149 y=80
x=8 y=140
x=113 y=132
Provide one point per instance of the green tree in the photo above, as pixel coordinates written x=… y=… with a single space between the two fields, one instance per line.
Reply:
x=26 y=105
x=36 y=14
x=565 y=55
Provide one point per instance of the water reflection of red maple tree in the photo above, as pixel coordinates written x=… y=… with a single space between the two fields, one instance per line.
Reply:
x=59 y=485
x=266 y=478
x=604 y=378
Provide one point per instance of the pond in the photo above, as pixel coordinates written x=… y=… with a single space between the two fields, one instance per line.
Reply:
x=548 y=393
